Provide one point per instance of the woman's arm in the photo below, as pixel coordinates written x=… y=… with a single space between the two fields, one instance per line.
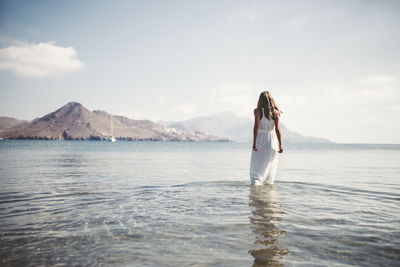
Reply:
x=278 y=133
x=257 y=117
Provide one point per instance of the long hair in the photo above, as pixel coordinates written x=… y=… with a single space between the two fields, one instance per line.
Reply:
x=267 y=102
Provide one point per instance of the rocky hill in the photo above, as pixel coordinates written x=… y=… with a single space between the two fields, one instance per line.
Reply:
x=75 y=122
x=8 y=123
x=229 y=125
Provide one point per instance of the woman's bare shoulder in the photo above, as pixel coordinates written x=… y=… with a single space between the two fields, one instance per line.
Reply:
x=276 y=116
x=277 y=113
x=257 y=111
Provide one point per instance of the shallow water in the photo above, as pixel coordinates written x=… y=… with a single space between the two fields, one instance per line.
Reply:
x=153 y=203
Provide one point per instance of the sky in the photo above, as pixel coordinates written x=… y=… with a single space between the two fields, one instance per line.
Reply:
x=333 y=67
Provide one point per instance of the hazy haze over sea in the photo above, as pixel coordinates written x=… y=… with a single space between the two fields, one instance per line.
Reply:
x=183 y=203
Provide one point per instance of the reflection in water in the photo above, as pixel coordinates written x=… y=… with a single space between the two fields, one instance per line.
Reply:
x=266 y=216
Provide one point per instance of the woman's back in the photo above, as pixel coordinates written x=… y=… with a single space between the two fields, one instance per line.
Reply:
x=265 y=124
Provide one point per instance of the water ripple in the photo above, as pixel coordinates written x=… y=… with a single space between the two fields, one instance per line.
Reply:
x=81 y=203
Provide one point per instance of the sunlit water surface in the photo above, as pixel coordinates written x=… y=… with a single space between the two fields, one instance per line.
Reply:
x=77 y=203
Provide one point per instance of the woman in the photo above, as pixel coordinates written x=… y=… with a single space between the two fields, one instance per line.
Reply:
x=264 y=158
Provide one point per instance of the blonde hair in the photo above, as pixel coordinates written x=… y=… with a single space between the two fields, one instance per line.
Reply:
x=267 y=102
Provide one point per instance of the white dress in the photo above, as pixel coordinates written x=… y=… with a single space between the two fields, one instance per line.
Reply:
x=264 y=161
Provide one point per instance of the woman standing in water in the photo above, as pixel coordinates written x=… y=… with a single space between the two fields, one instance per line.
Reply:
x=264 y=158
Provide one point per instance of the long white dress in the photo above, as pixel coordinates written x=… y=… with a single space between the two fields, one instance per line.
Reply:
x=264 y=161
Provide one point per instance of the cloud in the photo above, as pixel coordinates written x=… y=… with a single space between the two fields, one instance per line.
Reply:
x=239 y=98
x=367 y=113
x=377 y=78
x=42 y=59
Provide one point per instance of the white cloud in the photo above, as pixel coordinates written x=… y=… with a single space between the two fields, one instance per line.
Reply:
x=42 y=59
x=239 y=98
x=377 y=78
x=367 y=113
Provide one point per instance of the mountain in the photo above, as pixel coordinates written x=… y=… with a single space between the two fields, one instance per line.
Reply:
x=74 y=122
x=8 y=123
x=240 y=129
x=225 y=124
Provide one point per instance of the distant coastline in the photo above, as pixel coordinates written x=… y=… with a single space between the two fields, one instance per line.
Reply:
x=75 y=122
x=100 y=138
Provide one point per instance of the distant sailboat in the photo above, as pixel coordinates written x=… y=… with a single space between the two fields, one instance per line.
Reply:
x=112 y=139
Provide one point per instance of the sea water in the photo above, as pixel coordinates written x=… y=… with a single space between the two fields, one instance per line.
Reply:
x=80 y=203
